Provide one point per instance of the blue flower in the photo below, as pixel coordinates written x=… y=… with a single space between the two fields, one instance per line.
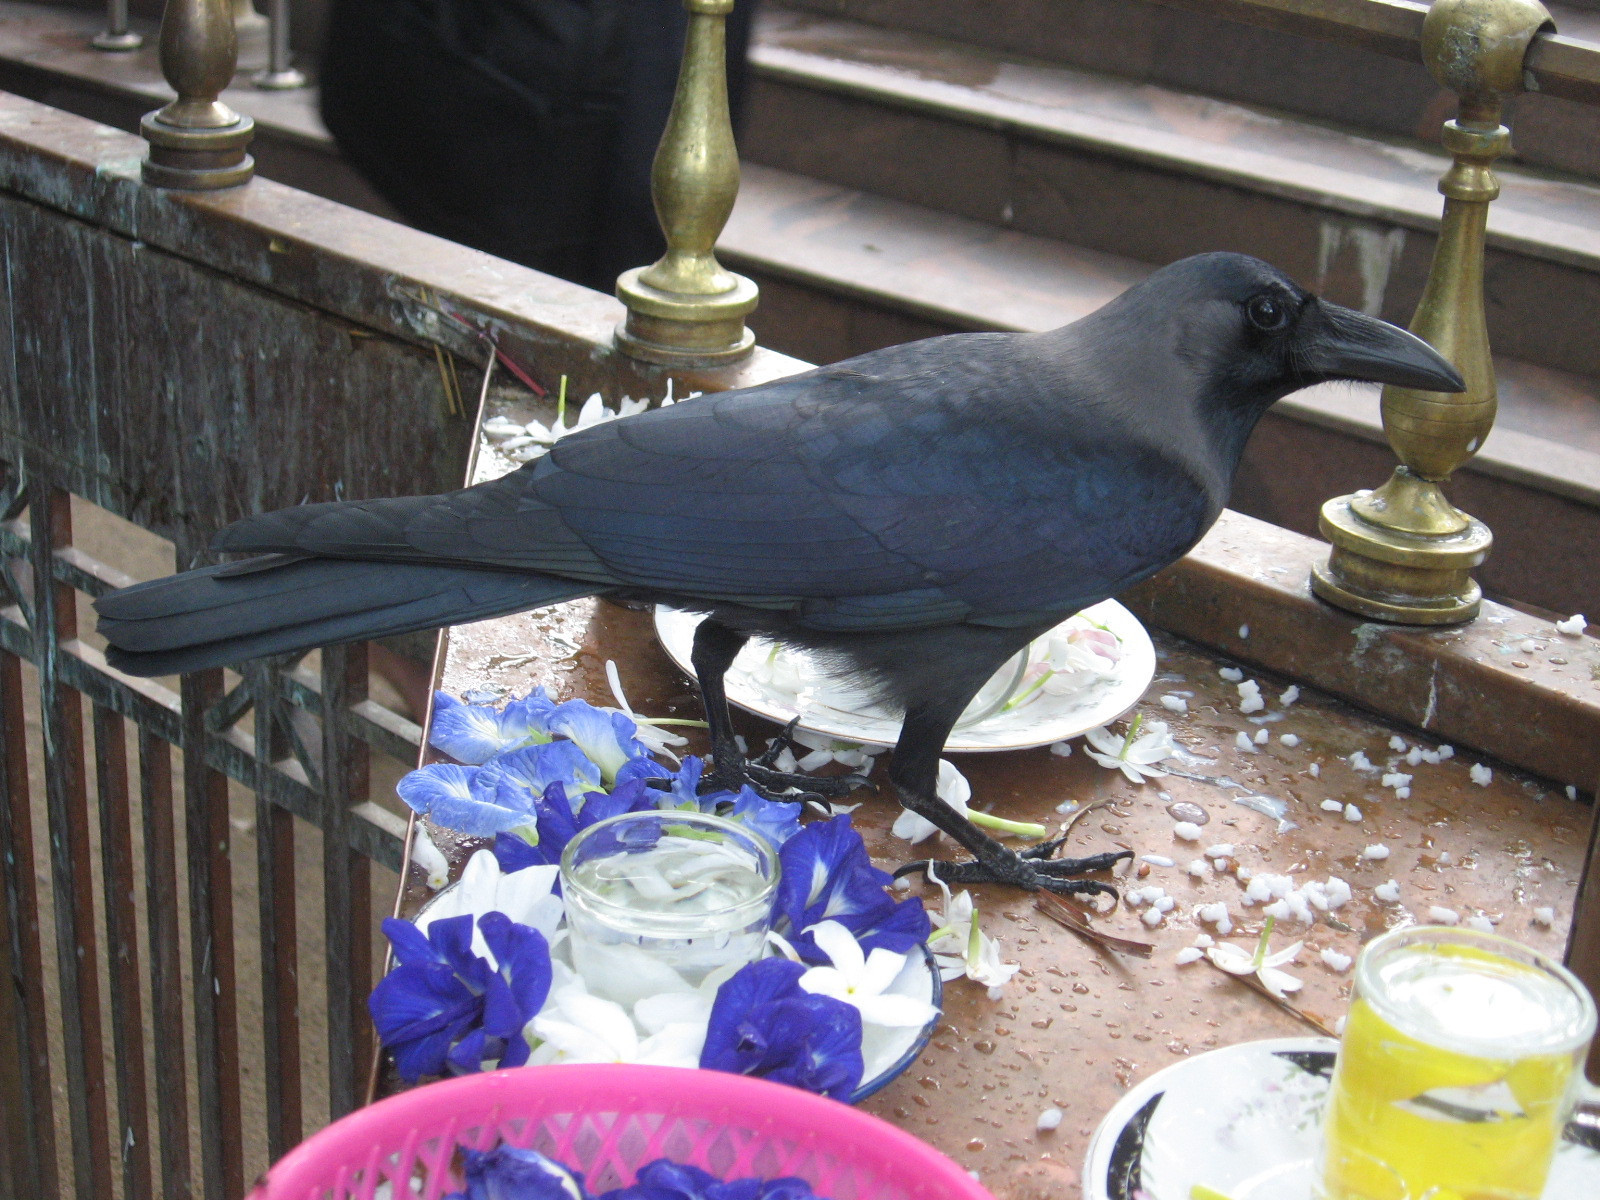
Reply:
x=446 y=795
x=603 y=734
x=518 y=779
x=775 y=820
x=762 y=1024
x=664 y=1179
x=506 y=1173
x=827 y=876
x=474 y=734
x=445 y=1007
x=560 y=816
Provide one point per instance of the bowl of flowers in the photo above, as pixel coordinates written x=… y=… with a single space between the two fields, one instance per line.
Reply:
x=844 y=997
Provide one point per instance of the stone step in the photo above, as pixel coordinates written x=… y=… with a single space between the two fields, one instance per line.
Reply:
x=1105 y=164
x=1211 y=55
x=843 y=272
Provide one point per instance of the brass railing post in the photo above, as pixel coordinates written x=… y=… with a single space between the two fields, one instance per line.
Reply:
x=686 y=310
x=197 y=142
x=1403 y=553
x=250 y=27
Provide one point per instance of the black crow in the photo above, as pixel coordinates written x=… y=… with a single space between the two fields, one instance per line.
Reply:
x=916 y=515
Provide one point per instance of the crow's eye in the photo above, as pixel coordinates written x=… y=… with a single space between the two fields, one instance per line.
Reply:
x=1267 y=313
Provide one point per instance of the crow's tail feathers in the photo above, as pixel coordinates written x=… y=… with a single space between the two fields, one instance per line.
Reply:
x=279 y=604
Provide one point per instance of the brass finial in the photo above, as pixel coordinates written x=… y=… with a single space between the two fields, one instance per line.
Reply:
x=1403 y=553
x=197 y=142
x=116 y=36
x=686 y=310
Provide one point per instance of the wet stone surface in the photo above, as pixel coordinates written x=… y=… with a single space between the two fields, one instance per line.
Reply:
x=1078 y=1025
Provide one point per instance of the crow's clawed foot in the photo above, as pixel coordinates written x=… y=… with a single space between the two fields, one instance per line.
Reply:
x=1029 y=870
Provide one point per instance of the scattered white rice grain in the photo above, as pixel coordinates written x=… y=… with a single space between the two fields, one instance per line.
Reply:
x=1316 y=770
x=1290 y=740
x=1263 y=736
x=1163 y=904
x=1259 y=889
x=1067 y=806
x=1049 y=1119
x=1250 y=697
x=1360 y=762
x=1336 y=961
x=1376 y=852
x=1389 y=892
x=1572 y=792
x=1573 y=626
x=1199 y=868
x=1204 y=941
x=1244 y=632
x=1338 y=892
x=1414 y=756
x=1278 y=909
x=1187 y=831
x=1480 y=774
x=1545 y=916
x=1188 y=955
x=1242 y=741
x=995 y=993
x=1396 y=742
x=1175 y=704
x=1212 y=914
x=1402 y=793
x=1157 y=860
x=1220 y=850
x=1479 y=922
x=1290 y=695
x=1152 y=917
x=1395 y=779
x=903 y=884
x=1443 y=916
x=1529 y=647
x=1352 y=813
x=1445 y=752
x=1064 y=749
x=1231 y=674
x=1243 y=874
x=1332 y=806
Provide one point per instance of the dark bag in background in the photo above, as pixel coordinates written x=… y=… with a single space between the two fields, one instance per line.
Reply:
x=524 y=128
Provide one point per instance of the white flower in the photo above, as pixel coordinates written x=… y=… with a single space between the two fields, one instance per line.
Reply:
x=576 y=1027
x=525 y=896
x=1236 y=960
x=960 y=946
x=955 y=791
x=825 y=750
x=648 y=730
x=862 y=980
x=428 y=856
x=1136 y=754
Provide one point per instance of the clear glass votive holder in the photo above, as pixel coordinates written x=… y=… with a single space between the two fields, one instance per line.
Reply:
x=657 y=901
x=1461 y=1061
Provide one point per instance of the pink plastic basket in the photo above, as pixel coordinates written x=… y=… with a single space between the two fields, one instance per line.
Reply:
x=609 y=1120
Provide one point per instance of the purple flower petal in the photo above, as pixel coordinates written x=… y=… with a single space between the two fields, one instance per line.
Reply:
x=507 y=1173
x=445 y=794
x=518 y=779
x=606 y=736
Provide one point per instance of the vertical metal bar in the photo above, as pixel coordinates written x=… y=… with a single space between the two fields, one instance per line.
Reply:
x=72 y=871
x=32 y=1123
x=117 y=37
x=280 y=74
x=166 y=972
x=346 y=877
x=280 y=985
x=122 y=951
x=216 y=1034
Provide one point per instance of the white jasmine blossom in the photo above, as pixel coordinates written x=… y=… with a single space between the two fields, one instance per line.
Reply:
x=525 y=896
x=861 y=981
x=577 y=1027
x=954 y=789
x=1236 y=960
x=1134 y=754
x=960 y=946
x=647 y=729
x=430 y=858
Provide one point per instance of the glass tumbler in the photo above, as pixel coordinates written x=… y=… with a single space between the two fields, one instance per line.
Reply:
x=657 y=901
x=1460 y=1063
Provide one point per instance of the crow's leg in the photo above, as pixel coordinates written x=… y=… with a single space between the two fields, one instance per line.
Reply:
x=715 y=648
x=915 y=775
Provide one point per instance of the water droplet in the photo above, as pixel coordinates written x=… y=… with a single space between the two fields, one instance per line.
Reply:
x=975 y=1144
x=1081 y=988
x=984 y=1047
x=1184 y=810
x=1043 y=1022
x=928 y=1081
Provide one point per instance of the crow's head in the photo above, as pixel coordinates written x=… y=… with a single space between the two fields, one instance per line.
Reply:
x=1255 y=335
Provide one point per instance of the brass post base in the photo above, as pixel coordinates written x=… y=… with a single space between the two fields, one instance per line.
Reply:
x=197 y=159
x=1390 y=575
x=677 y=330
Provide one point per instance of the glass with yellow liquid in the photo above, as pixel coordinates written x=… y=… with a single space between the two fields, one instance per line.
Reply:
x=1458 y=1069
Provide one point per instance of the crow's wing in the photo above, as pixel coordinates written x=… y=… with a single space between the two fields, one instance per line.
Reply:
x=862 y=499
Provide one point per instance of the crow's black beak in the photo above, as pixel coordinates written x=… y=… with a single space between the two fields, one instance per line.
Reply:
x=1340 y=343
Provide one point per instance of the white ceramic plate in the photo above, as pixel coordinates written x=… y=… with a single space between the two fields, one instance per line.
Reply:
x=1245 y=1120
x=852 y=717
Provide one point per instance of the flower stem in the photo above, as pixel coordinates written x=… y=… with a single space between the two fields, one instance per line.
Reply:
x=1133 y=732
x=671 y=721
x=1021 y=697
x=1025 y=829
x=1261 y=946
x=561 y=403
